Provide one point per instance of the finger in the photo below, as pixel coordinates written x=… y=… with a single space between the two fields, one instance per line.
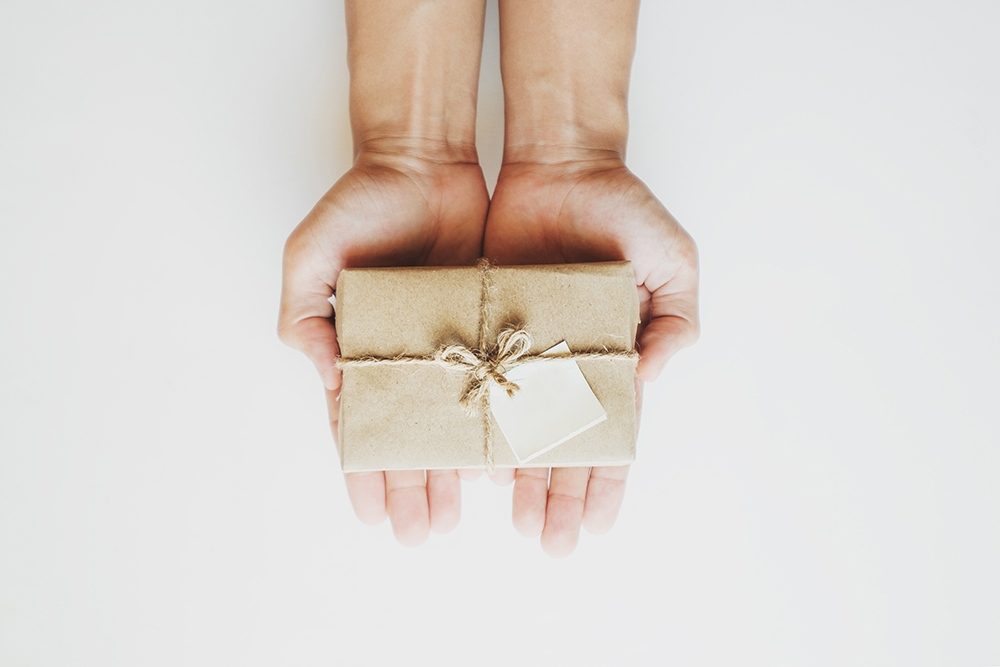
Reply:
x=367 y=493
x=406 y=504
x=639 y=386
x=673 y=307
x=502 y=476
x=305 y=318
x=661 y=339
x=365 y=489
x=605 y=492
x=315 y=337
x=531 y=487
x=333 y=410
x=470 y=474
x=444 y=499
x=564 y=510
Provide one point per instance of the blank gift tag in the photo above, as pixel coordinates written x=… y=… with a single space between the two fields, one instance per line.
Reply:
x=554 y=403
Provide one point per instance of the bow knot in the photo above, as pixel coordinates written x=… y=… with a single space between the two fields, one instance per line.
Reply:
x=487 y=366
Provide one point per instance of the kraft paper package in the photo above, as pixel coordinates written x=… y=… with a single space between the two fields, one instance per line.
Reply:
x=402 y=410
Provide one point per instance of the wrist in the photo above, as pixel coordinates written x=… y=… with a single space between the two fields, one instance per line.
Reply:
x=386 y=148
x=412 y=91
x=425 y=120
x=565 y=66
x=570 y=129
x=568 y=150
x=430 y=165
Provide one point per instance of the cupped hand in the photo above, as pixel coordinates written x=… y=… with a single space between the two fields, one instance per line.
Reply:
x=592 y=209
x=393 y=208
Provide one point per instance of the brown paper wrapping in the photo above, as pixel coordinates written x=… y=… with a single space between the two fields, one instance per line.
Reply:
x=408 y=417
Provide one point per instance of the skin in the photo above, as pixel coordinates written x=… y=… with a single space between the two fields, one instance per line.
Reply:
x=565 y=195
x=416 y=195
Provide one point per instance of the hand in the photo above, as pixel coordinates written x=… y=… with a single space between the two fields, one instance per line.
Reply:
x=395 y=207
x=587 y=209
x=415 y=195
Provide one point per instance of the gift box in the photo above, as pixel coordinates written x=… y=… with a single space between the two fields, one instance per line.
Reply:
x=424 y=349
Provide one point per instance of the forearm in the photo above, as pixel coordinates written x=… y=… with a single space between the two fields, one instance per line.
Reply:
x=566 y=66
x=414 y=76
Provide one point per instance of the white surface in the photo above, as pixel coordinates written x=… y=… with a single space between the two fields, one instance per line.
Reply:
x=554 y=403
x=818 y=479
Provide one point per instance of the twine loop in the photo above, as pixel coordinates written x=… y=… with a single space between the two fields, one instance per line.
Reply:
x=485 y=367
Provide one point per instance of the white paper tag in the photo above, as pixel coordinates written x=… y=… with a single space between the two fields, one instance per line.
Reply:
x=554 y=404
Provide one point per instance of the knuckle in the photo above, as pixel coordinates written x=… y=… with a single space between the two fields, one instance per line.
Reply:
x=296 y=243
x=566 y=498
x=606 y=483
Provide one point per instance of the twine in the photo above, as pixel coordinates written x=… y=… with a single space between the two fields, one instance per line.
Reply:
x=485 y=365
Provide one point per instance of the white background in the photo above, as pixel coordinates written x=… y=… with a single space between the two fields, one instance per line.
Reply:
x=817 y=481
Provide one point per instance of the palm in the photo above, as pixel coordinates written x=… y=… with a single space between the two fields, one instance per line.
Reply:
x=598 y=211
x=377 y=215
x=544 y=214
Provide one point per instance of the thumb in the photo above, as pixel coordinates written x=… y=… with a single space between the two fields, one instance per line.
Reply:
x=673 y=308
x=305 y=322
x=660 y=340
x=316 y=337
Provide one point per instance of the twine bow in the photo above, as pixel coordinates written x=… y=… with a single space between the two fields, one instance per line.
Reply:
x=486 y=366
